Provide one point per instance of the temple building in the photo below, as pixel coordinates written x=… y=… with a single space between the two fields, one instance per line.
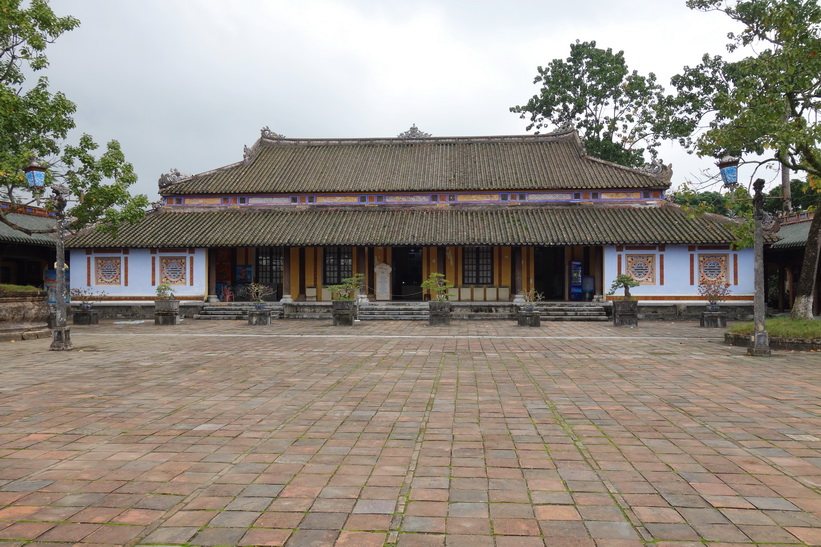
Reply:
x=498 y=216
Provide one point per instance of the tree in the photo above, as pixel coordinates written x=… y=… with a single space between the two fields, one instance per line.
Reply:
x=804 y=197
x=613 y=109
x=86 y=189
x=765 y=104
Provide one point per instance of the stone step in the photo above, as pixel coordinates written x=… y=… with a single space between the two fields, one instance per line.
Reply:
x=220 y=317
x=388 y=317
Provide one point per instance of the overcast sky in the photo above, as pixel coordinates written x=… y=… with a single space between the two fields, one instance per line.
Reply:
x=188 y=83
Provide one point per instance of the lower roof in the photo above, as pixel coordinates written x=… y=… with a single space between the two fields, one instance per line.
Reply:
x=30 y=222
x=529 y=226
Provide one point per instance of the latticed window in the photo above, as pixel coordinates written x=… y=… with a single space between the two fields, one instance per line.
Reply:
x=269 y=266
x=338 y=265
x=477 y=266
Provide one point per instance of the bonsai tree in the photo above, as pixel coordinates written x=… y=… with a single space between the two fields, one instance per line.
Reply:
x=623 y=281
x=348 y=288
x=165 y=292
x=714 y=291
x=258 y=291
x=85 y=296
x=438 y=286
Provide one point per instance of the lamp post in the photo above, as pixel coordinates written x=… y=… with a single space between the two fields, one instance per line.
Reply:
x=36 y=176
x=760 y=339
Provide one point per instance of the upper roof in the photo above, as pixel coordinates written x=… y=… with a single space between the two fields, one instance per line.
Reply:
x=30 y=222
x=553 y=161
x=543 y=226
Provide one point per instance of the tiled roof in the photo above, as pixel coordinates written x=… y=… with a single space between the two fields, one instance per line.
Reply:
x=552 y=161
x=791 y=236
x=30 y=222
x=514 y=225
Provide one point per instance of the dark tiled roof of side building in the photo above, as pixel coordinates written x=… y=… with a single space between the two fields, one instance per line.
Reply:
x=793 y=235
x=436 y=164
x=514 y=225
x=30 y=222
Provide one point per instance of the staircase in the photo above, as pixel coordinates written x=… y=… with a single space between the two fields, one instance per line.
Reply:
x=571 y=311
x=234 y=310
x=394 y=311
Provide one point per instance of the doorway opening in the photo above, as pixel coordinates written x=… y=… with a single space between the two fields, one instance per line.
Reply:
x=549 y=272
x=407 y=273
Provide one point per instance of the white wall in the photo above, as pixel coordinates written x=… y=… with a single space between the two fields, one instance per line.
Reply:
x=677 y=260
x=135 y=276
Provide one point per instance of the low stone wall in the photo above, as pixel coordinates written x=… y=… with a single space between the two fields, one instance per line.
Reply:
x=23 y=315
x=788 y=344
x=689 y=312
x=137 y=310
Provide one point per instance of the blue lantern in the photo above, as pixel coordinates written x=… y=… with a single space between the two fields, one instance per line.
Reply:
x=35 y=175
x=728 y=166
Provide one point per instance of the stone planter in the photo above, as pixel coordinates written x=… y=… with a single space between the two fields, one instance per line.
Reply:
x=713 y=319
x=439 y=314
x=343 y=312
x=23 y=315
x=528 y=318
x=625 y=313
x=166 y=312
x=259 y=317
x=85 y=317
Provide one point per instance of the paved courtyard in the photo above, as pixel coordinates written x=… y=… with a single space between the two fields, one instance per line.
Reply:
x=482 y=433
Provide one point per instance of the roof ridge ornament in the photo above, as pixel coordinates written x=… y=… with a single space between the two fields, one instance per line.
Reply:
x=413 y=133
x=266 y=133
x=657 y=169
x=172 y=177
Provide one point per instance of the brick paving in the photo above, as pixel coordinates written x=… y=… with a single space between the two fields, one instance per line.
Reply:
x=482 y=433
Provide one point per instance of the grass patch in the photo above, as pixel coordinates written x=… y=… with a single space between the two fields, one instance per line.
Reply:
x=18 y=288
x=784 y=327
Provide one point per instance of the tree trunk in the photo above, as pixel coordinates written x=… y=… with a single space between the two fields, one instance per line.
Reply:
x=802 y=308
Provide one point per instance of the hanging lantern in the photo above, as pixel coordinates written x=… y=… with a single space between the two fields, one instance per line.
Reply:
x=35 y=175
x=728 y=166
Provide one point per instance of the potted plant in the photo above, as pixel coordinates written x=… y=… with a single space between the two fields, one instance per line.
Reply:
x=166 y=307
x=713 y=291
x=527 y=315
x=260 y=315
x=343 y=298
x=440 y=307
x=86 y=314
x=625 y=310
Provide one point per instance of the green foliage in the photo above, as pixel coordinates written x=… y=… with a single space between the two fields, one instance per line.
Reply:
x=623 y=281
x=165 y=292
x=349 y=287
x=804 y=197
x=5 y=287
x=438 y=286
x=784 y=327
x=613 y=109
x=34 y=124
x=766 y=103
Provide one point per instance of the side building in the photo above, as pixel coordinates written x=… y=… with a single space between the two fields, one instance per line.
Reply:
x=498 y=216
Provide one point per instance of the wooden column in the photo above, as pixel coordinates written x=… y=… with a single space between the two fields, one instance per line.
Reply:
x=286 y=273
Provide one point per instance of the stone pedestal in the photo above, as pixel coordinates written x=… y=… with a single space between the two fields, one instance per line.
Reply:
x=439 y=313
x=759 y=344
x=164 y=318
x=85 y=317
x=343 y=312
x=714 y=319
x=625 y=313
x=166 y=312
x=529 y=319
x=259 y=317
x=60 y=339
